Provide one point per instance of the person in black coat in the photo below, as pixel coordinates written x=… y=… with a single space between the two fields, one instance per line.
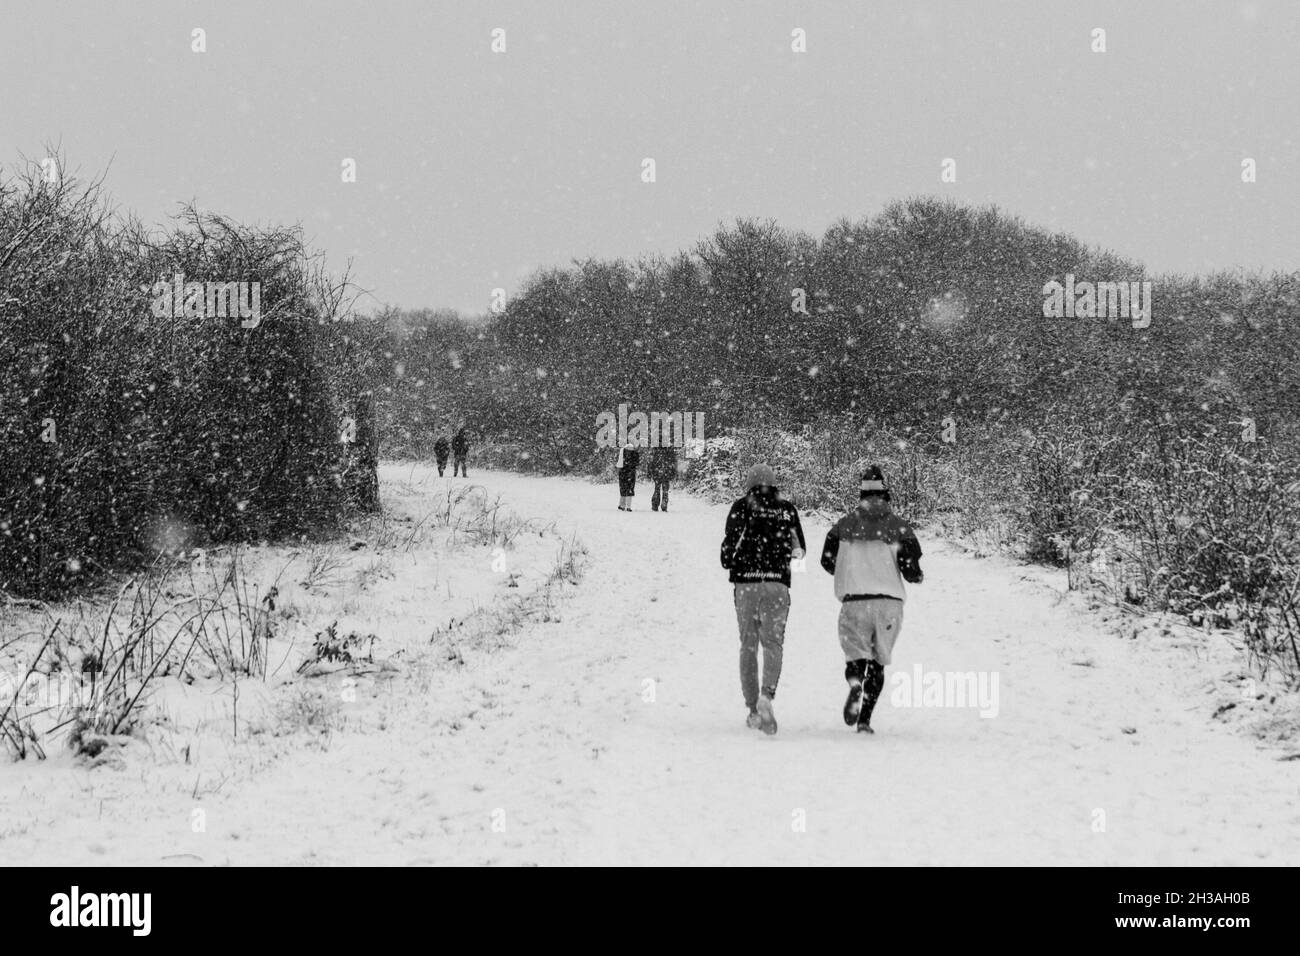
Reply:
x=460 y=451
x=441 y=448
x=663 y=469
x=763 y=534
x=628 y=459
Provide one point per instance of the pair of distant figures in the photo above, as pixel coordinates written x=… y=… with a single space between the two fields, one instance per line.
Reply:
x=663 y=469
x=459 y=448
x=871 y=551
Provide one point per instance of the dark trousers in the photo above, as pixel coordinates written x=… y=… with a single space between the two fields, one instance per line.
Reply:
x=761 y=611
x=442 y=466
x=459 y=464
x=661 y=485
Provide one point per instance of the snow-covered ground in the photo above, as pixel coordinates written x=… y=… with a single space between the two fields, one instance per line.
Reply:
x=610 y=729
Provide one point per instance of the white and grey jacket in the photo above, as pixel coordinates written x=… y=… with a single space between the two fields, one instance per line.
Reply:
x=871 y=551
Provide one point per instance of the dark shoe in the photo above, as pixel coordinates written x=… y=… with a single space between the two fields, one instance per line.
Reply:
x=865 y=729
x=766 y=715
x=853 y=706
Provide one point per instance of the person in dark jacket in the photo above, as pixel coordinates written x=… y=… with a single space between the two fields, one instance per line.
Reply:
x=663 y=469
x=460 y=451
x=871 y=551
x=628 y=459
x=440 y=449
x=763 y=533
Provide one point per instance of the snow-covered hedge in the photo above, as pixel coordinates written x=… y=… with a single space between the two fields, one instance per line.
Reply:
x=125 y=432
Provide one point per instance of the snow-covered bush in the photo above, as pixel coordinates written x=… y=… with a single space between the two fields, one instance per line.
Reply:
x=117 y=421
x=1202 y=524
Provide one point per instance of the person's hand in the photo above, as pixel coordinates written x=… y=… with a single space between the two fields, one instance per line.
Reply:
x=797 y=554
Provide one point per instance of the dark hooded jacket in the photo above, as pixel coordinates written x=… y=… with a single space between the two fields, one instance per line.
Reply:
x=663 y=464
x=762 y=531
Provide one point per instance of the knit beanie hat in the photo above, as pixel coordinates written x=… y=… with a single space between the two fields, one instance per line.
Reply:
x=760 y=475
x=873 y=482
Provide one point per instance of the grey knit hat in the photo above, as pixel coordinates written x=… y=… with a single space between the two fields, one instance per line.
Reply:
x=759 y=476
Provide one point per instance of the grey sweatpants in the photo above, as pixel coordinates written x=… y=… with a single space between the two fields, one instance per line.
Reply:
x=868 y=629
x=761 y=611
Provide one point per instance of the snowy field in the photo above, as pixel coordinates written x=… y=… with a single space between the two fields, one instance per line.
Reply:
x=609 y=729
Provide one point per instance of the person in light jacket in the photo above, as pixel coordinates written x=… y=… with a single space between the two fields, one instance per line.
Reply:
x=871 y=551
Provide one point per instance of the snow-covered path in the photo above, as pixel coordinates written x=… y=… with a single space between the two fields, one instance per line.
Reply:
x=681 y=780
x=553 y=750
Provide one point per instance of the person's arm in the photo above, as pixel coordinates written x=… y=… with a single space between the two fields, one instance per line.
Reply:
x=731 y=538
x=798 y=530
x=830 y=550
x=909 y=557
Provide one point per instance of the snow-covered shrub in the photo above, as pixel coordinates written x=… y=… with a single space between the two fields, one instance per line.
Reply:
x=1201 y=524
x=714 y=470
x=331 y=647
x=117 y=420
x=821 y=469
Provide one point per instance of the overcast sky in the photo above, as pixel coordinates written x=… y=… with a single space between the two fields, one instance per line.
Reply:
x=475 y=168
